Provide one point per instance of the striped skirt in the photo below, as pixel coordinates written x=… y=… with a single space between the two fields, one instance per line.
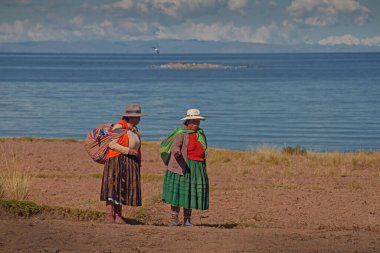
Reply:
x=190 y=190
x=121 y=182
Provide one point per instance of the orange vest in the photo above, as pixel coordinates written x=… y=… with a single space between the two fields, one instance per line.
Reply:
x=123 y=140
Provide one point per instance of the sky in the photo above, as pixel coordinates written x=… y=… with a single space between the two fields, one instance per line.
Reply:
x=282 y=22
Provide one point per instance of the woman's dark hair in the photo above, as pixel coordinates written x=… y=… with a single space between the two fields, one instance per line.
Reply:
x=186 y=123
x=125 y=118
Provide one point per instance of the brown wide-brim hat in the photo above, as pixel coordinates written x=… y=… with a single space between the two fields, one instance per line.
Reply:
x=133 y=110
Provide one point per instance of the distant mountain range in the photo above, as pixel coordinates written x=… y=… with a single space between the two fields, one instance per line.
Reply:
x=170 y=46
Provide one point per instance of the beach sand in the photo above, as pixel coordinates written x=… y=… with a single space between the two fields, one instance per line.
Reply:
x=258 y=203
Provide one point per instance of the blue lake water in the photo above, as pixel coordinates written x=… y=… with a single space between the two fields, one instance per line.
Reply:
x=322 y=102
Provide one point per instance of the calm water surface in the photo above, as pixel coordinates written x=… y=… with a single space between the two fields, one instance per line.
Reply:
x=322 y=102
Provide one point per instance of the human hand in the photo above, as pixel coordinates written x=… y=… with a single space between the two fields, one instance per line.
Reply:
x=177 y=154
x=133 y=152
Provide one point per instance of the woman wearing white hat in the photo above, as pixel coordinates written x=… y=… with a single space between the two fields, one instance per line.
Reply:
x=121 y=183
x=186 y=181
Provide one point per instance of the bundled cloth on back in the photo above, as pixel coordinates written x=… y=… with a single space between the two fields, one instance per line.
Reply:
x=98 y=139
x=166 y=144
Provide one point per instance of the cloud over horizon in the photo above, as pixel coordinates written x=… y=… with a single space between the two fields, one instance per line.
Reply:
x=349 y=40
x=287 y=22
x=323 y=13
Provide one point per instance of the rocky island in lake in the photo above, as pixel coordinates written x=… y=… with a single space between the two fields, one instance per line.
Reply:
x=183 y=65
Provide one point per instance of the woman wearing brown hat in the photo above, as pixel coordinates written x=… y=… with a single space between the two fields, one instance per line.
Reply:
x=121 y=176
x=186 y=181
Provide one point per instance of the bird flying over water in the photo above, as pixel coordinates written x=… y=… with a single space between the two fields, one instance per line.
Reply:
x=156 y=50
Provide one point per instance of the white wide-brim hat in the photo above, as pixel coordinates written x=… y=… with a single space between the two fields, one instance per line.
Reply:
x=193 y=114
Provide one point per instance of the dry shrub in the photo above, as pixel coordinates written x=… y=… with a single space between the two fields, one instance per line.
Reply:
x=219 y=157
x=354 y=160
x=245 y=163
x=14 y=176
x=297 y=150
x=230 y=161
x=343 y=164
x=271 y=155
x=363 y=160
x=292 y=161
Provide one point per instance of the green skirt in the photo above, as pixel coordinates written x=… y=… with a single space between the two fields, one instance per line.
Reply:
x=190 y=190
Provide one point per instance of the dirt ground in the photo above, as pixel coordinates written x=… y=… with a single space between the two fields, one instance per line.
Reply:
x=259 y=207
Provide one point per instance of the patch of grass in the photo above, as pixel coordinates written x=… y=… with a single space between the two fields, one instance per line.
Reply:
x=96 y=175
x=350 y=185
x=245 y=172
x=67 y=140
x=2 y=192
x=151 y=199
x=30 y=138
x=75 y=213
x=149 y=178
x=228 y=188
x=223 y=226
x=142 y=214
x=281 y=184
x=226 y=159
x=145 y=213
x=342 y=164
x=45 y=176
x=354 y=160
x=20 y=208
x=362 y=160
x=246 y=225
x=270 y=155
x=26 y=138
x=150 y=144
x=56 y=176
x=218 y=157
x=28 y=209
x=297 y=150
x=91 y=202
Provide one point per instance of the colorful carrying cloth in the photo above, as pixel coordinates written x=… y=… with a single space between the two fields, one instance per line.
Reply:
x=166 y=144
x=98 y=139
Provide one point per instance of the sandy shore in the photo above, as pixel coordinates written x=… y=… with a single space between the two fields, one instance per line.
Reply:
x=258 y=203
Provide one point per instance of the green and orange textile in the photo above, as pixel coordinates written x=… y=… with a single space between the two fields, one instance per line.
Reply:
x=166 y=144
